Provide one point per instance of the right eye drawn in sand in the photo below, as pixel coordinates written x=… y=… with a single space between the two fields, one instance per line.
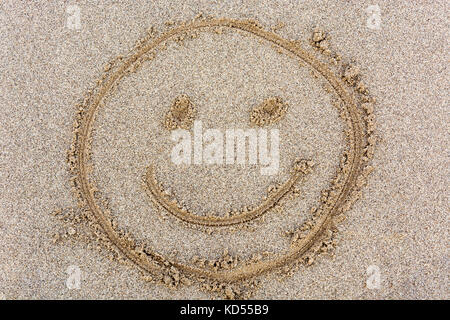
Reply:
x=270 y=111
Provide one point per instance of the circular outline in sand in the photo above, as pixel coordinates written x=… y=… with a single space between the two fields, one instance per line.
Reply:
x=154 y=262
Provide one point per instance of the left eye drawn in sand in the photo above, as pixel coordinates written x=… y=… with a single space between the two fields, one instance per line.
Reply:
x=181 y=114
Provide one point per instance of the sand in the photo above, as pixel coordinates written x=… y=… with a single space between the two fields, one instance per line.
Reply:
x=397 y=230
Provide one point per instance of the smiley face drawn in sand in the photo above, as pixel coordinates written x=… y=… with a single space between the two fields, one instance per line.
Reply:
x=229 y=276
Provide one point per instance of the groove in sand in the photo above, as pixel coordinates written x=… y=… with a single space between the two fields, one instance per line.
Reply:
x=300 y=169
